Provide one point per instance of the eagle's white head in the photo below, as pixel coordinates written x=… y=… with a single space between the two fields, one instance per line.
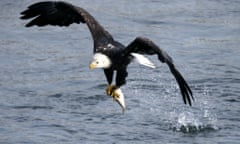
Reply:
x=100 y=61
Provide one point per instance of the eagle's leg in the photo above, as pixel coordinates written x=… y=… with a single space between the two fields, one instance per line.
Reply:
x=109 y=76
x=114 y=90
x=111 y=90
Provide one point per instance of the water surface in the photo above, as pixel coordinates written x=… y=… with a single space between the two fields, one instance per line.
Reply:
x=48 y=94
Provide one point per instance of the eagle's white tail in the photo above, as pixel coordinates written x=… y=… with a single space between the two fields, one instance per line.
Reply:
x=141 y=59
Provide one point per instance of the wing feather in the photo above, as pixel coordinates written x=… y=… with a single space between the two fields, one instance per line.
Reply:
x=52 y=13
x=145 y=46
x=59 y=13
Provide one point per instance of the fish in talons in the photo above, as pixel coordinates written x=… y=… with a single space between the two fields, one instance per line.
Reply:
x=117 y=95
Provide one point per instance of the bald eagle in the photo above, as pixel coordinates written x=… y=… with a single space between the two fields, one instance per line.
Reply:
x=109 y=54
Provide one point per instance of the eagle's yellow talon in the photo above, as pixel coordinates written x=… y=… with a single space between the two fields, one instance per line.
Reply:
x=110 y=90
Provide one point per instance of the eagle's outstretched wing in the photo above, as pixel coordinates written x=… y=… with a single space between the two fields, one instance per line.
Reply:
x=64 y=14
x=145 y=46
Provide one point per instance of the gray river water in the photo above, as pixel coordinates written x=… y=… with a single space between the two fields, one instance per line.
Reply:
x=49 y=95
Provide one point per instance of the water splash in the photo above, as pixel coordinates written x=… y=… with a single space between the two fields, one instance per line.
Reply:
x=188 y=122
x=195 y=120
x=198 y=119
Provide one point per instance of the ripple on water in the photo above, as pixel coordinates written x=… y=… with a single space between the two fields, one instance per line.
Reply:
x=32 y=107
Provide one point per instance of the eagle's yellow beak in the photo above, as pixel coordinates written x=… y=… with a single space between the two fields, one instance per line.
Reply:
x=92 y=65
